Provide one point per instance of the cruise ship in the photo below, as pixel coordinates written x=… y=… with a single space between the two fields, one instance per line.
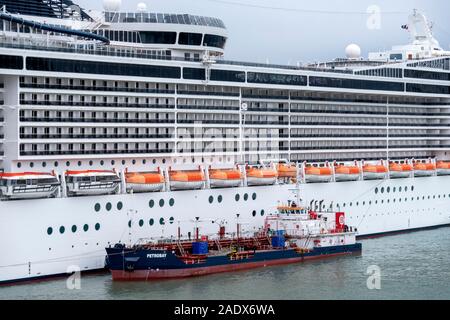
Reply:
x=117 y=127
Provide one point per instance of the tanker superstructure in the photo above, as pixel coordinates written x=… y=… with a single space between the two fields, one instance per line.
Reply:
x=120 y=126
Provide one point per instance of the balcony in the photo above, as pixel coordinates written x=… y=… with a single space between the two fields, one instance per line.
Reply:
x=96 y=88
x=97 y=120
x=96 y=104
x=95 y=152
x=208 y=93
x=226 y=122
x=221 y=108
x=95 y=136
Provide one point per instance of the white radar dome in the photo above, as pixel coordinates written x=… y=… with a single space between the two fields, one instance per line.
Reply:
x=141 y=7
x=353 y=51
x=112 y=5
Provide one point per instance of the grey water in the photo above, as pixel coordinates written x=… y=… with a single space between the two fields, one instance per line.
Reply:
x=411 y=266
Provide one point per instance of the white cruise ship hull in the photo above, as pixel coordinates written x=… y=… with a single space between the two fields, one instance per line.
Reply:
x=32 y=253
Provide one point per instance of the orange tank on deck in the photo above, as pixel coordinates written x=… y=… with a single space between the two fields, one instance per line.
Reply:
x=225 y=178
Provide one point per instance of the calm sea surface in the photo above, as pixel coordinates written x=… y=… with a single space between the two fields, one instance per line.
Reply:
x=413 y=266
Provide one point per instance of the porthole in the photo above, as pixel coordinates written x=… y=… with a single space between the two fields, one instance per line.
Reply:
x=154 y=161
x=406 y=189
x=123 y=162
x=68 y=164
x=144 y=161
x=151 y=222
x=211 y=199
x=97 y=226
x=161 y=221
x=151 y=203
x=245 y=196
x=79 y=163
x=56 y=164
x=219 y=199
x=49 y=230
x=394 y=189
x=412 y=188
x=97 y=207
x=44 y=164
x=237 y=197
x=19 y=165
x=388 y=189
x=133 y=162
x=86 y=228
x=262 y=213
x=254 y=196
x=31 y=164
x=129 y=224
x=113 y=162
x=164 y=161
x=119 y=205
x=254 y=213
x=382 y=190
x=74 y=228
x=161 y=203
x=376 y=190
x=171 y=202
x=141 y=223
x=108 y=206
x=399 y=189
x=171 y=220
x=102 y=163
x=91 y=163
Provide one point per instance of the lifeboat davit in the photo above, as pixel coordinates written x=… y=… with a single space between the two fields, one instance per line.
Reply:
x=186 y=180
x=397 y=170
x=144 y=182
x=374 y=172
x=346 y=173
x=92 y=182
x=287 y=171
x=443 y=168
x=227 y=178
x=318 y=174
x=28 y=185
x=424 y=169
x=261 y=177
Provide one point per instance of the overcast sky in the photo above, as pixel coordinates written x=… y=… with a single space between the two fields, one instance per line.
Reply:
x=289 y=36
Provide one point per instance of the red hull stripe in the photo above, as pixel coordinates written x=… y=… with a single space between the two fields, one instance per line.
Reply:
x=192 y=272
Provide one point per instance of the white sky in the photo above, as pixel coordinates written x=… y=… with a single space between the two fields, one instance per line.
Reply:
x=288 y=36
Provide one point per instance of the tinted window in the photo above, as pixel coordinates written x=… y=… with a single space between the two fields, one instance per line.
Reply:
x=11 y=62
x=417 y=74
x=191 y=39
x=427 y=88
x=91 y=67
x=194 y=74
x=158 y=37
x=214 y=41
x=269 y=78
x=355 y=84
x=225 y=75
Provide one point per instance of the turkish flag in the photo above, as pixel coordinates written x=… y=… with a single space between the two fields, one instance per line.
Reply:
x=340 y=220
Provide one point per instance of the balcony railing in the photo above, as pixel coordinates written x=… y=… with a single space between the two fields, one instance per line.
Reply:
x=95 y=88
x=96 y=120
x=96 y=104
x=95 y=152
x=96 y=136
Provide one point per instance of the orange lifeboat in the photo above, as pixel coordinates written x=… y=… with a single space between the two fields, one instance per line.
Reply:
x=398 y=170
x=144 y=182
x=318 y=174
x=186 y=180
x=374 y=172
x=346 y=173
x=225 y=178
x=424 y=169
x=261 y=177
x=443 y=168
x=286 y=171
